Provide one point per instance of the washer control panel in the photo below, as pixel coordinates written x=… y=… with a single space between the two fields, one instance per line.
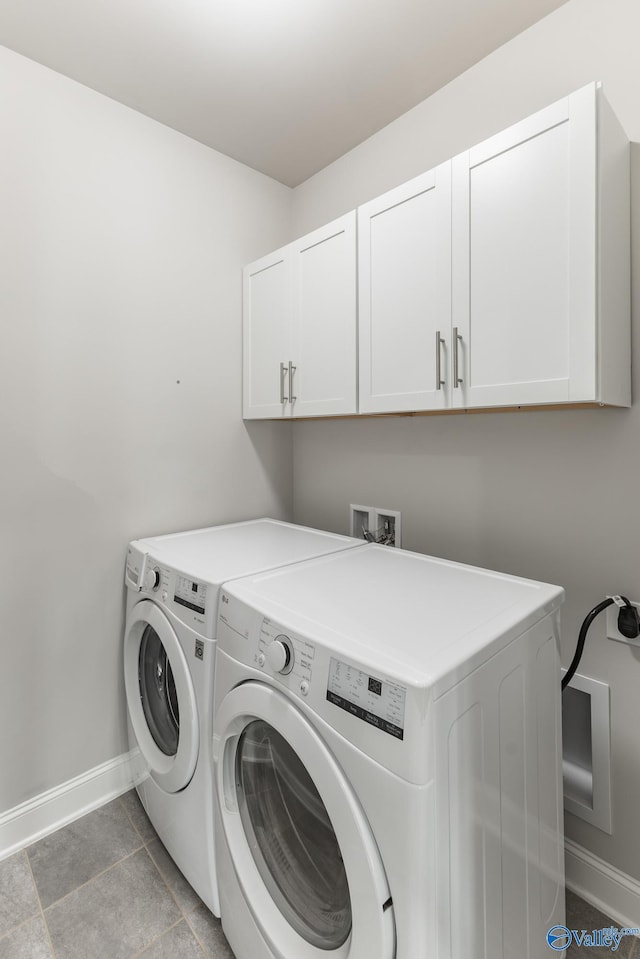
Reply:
x=142 y=572
x=190 y=593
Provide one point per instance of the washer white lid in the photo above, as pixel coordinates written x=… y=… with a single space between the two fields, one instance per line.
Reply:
x=415 y=616
x=219 y=553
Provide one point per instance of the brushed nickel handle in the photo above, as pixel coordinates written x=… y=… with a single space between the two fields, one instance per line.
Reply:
x=292 y=370
x=456 y=338
x=439 y=380
x=283 y=373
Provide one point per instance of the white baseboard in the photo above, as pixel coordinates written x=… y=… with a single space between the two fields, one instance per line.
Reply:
x=604 y=886
x=38 y=817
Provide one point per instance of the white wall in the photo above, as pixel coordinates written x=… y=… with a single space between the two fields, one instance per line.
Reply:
x=121 y=247
x=549 y=495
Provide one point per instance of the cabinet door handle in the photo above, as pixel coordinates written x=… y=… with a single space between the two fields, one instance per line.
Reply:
x=456 y=338
x=283 y=373
x=439 y=380
x=292 y=370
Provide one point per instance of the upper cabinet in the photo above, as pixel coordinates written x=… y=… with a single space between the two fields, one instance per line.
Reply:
x=540 y=261
x=299 y=327
x=267 y=334
x=404 y=293
x=499 y=279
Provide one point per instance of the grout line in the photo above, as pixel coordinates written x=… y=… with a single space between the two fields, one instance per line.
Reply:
x=42 y=915
x=205 y=951
x=208 y=954
x=141 y=848
x=145 y=842
x=183 y=914
x=97 y=876
x=165 y=878
x=156 y=939
x=166 y=882
x=9 y=932
x=41 y=911
x=128 y=814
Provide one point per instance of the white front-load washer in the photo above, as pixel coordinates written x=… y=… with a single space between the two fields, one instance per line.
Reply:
x=387 y=759
x=169 y=658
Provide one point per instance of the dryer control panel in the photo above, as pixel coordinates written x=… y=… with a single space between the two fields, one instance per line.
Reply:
x=376 y=701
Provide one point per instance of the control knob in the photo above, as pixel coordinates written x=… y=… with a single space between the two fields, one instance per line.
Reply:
x=279 y=655
x=152 y=578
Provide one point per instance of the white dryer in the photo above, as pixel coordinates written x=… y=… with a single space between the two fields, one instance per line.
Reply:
x=169 y=656
x=387 y=755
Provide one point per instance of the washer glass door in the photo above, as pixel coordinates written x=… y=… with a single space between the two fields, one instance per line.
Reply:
x=158 y=692
x=297 y=844
x=291 y=837
x=160 y=696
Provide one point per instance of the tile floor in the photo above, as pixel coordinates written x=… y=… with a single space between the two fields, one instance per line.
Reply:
x=105 y=888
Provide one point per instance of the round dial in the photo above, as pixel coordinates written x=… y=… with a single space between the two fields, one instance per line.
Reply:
x=152 y=578
x=280 y=655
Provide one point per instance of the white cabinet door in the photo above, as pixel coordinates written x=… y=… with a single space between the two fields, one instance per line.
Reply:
x=404 y=275
x=524 y=260
x=267 y=336
x=324 y=350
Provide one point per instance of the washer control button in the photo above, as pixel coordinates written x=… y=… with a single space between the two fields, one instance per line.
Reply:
x=261 y=659
x=304 y=687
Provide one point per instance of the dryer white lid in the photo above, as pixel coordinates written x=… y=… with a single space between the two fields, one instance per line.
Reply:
x=219 y=553
x=417 y=617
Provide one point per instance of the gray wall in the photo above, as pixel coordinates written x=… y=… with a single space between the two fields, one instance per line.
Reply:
x=121 y=247
x=549 y=495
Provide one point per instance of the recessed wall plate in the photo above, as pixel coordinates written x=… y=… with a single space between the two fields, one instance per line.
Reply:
x=361 y=518
x=586 y=750
x=383 y=525
x=388 y=526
